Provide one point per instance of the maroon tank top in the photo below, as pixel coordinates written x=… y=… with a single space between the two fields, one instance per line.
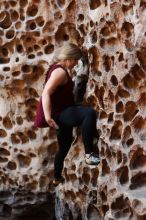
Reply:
x=63 y=95
x=60 y=99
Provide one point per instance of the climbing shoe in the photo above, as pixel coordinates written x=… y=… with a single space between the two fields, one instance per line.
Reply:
x=58 y=180
x=92 y=159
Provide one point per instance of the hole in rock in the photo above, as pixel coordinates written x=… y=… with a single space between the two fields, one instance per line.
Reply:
x=131 y=110
x=114 y=80
x=123 y=93
x=12 y=165
x=123 y=175
x=105 y=209
x=14 y=16
x=138 y=159
x=94 y=4
x=112 y=41
x=61 y=3
x=4 y=152
x=43 y=209
x=119 y=156
x=32 y=10
x=94 y=37
x=24 y=139
x=94 y=173
x=103 y=115
x=18 y=85
x=105 y=168
x=36 y=47
x=3 y=133
x=22 y=17
x=142 y=99
x=33 y=92
x=73 y=177
x=58 y=15
x=103 y=196
x=19 y=120
x=24 y=161
x=130 y=82
x=128 y=45
x=31 y=56
x=1 y=79
x=108 y=153
x=105 y=31
x=121 y=57
x=6 y=22
x=23 y=3
x=18 y=25
x=65 y=37
x=7 y=210
x=107 y=62
x=110 y=117
x=31 y=103
x=49 y=49
x=67 y=30
x=29 y=49
x=142 y=58
x=119 y=203
x=86 y=178
x=71 y=7
x=31 y=134
x=92 y=212
x=5 y=51
x=49 y=27
x=6 y=69
x=116 y=130
x=94 y=53
x=32 y=25
x=26 y=68
x=127 y=28
x=137 y=181
x=40 y=21
x=119 y=107
x=19 y=48
x=126 y=8
x=52 y=148
x=80 y=17
x=10 y=34
x=13 y=3
x=3 y=160
x=7 y=122
x=16 y=73
x=14 y=139
x=29 y=115
x=102 y=42
x=17 y=59
x=130 y=142
x=4 y=60
x=137 y=72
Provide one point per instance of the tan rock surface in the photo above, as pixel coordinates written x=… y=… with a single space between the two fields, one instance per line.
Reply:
x=113 y=34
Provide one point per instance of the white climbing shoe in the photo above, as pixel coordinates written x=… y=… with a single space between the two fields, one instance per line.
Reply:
x=92 y=159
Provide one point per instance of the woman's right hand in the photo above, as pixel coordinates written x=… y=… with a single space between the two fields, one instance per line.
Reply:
x=52 y=123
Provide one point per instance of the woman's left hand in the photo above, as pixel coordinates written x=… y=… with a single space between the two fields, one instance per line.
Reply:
x=52 y=123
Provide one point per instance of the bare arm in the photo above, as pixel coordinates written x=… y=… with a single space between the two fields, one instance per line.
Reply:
x=57 y=78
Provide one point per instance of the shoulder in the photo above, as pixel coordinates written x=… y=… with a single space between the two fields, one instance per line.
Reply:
x=58 y=72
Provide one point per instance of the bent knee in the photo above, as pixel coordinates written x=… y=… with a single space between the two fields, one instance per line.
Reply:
x=92 y=112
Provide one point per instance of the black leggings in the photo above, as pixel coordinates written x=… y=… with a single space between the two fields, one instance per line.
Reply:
x=74 y=116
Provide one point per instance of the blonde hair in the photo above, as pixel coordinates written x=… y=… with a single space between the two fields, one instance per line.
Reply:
x=66 y=52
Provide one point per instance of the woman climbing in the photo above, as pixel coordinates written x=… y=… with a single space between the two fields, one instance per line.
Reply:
x=60 y=111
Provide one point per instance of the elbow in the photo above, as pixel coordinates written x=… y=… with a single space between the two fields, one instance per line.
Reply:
x=45 y=95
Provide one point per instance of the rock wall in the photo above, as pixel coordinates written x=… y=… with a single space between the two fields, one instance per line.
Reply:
x=113 y=34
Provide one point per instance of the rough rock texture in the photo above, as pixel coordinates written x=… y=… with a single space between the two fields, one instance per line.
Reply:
x=113 y=34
